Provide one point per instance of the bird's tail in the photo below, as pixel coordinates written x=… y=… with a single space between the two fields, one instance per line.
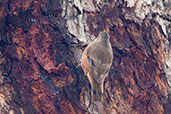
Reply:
x=96 y=91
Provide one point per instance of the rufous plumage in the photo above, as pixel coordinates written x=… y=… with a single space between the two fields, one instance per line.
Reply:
x=96 y=61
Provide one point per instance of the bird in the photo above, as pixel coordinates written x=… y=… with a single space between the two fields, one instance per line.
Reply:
x=96 y=61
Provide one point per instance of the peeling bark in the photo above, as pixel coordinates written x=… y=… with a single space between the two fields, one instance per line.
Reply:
x=41 y=43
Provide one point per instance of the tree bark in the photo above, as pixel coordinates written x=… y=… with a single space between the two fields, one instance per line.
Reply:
x=41 y=42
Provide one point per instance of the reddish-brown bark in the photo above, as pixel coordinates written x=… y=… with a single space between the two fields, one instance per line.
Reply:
x=39 y=68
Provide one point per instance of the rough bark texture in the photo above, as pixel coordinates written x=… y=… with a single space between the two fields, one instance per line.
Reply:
x=41 y=42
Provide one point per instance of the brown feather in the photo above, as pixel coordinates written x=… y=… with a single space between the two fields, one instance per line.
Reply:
x=96 y=61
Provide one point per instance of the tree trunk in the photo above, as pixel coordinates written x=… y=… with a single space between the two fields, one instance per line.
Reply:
x=41 y=42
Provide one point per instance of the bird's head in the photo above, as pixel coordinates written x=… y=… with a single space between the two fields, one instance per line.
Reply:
x=103 y=36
